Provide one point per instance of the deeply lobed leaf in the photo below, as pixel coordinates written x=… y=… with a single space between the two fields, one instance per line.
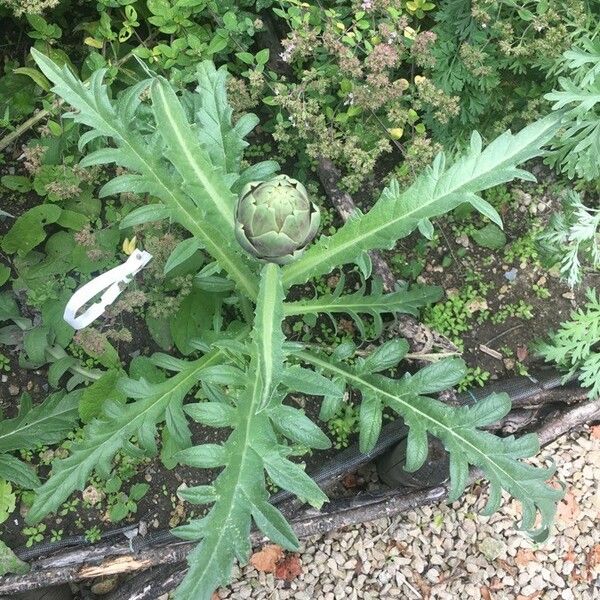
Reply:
x=438 y=190
x=459 y=430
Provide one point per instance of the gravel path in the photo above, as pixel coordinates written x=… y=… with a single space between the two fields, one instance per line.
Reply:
x=450 y=552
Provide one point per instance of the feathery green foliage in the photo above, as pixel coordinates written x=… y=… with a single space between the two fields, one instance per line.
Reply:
x=186 y=152
x=576 y=345
x=572 y=238
x=577 y=146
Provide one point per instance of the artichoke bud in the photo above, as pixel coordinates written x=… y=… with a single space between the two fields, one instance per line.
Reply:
x=275 y=220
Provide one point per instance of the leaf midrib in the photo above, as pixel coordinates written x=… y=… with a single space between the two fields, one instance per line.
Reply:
x=226 y=214
x=327 y=255
x=244 y=281
x=26 y=425
x=362 y=383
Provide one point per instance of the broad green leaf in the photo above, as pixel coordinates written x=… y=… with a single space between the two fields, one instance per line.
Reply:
x=437 y=191
x=146 y=214
x=273 y=524
x=17 y=183
x=35 y=344
x=292 y=477
x=10 y=563
x=200 y=494
x=215 y=414
x=490 y=236
x=205 y=456
x=386 y=356
x=332 y=402
x=59 y=367
x=308 y=381
x=28 y=230
x=4 y=274
x=194 y=318
x=438 y=376
x=7 y=500
x=296 y=426
x=15 y=470
x=417 y=447
x=184 y=250
x=45 y=423
x=370 y=420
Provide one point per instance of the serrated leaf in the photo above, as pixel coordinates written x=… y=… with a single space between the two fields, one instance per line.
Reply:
x=100 y=391
x=199 y=494
x=499 y=458
x=306 y=381
x=15 y=470
x=273 y=524
x=386 y=356
x=184 y=250
x=370 y=420
x=417 y=447
x=203 y=179
x=45 y=423
x=490 y=236
x=205 y=456
x=396 y=214
x=94 y=109
x=146 y=214
x=215 y=414
x=224 y=141
x=375 y=303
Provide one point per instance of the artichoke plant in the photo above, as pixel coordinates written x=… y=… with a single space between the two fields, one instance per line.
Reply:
x=275 y=220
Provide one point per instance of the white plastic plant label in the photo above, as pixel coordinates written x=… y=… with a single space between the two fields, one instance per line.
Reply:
x=111 y=283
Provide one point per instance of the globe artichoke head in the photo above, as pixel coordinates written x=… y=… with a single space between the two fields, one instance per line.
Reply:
x=275 y=220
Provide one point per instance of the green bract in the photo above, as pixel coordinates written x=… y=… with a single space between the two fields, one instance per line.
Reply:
x=275 y=220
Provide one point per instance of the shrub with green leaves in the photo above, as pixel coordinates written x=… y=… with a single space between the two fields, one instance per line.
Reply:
x=575 y=151
x=499 y=58
x=185 y=153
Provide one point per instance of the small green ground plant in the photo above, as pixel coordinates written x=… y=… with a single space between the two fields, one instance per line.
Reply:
x=184 y=152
